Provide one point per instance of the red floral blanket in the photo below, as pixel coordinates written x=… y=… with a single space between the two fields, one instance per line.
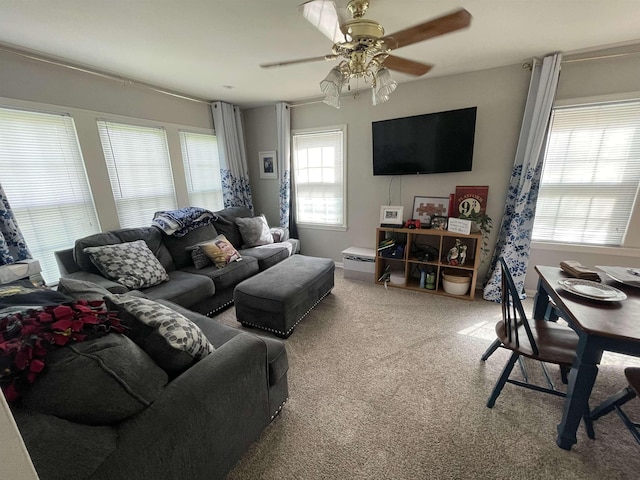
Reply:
x=27 y=336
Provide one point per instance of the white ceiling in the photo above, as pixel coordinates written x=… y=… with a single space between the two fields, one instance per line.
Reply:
x=212 y=49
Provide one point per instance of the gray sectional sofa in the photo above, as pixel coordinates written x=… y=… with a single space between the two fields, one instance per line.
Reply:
x=105 y=410
x=131 y=405
x=203 y=290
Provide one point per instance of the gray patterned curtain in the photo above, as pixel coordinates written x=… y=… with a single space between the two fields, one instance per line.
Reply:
x=13 y=247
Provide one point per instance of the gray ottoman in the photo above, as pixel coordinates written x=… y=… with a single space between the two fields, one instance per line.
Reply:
x=278 y=298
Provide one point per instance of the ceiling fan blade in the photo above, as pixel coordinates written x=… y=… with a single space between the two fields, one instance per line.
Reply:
x=406 y=66
x=324 y=15
x=433 y=28
x=299 y=60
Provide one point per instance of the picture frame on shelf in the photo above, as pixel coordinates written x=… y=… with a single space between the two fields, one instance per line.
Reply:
x=439 y=222
x=268 y=164
x=424 y=208
x=391 y=216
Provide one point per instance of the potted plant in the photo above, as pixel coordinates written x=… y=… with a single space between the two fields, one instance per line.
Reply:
x=480 y=222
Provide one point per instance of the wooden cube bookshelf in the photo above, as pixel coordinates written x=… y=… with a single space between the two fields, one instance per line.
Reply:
x=418 y=243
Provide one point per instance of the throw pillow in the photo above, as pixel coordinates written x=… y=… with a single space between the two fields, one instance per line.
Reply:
x=254 y=231
x=97 y=382
x=171 y=339
x=220 y=251
x=132 y=264
x=200 y=259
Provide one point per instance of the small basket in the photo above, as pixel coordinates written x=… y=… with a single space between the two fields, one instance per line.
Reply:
x=456 y=283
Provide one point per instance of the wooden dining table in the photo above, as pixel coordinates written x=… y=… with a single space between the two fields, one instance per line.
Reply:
x=601 y=326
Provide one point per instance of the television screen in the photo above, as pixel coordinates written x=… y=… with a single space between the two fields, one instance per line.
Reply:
x=431 y=143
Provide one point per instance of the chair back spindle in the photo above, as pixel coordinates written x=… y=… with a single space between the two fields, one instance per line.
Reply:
x=513 y=314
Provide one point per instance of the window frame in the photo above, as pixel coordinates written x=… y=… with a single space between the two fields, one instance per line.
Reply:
x=630 y=241
x=186 y=164
x=79 y=168
x=331 y=128
x=125 y=201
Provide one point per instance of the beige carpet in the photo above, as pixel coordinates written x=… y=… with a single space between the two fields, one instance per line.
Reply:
x=388 y=384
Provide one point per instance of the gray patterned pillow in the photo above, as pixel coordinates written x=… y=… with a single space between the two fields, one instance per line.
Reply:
x=132 y=264
x=171 y=339
x=200 y=259
x=254 y=231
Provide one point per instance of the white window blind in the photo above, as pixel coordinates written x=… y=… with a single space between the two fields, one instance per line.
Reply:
x=591 y=174
x=43 y=175
x=318 y=159
x=139 y=168
x=202 y=170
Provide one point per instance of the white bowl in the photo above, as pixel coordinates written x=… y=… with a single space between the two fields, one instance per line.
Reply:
x=456 y=284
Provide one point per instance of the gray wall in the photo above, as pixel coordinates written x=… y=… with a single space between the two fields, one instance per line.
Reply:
x=500 y=95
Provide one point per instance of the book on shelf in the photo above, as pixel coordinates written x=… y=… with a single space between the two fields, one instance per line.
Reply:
x=388 y=243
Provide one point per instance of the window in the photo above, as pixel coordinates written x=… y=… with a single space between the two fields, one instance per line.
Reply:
x=591 y=174
x=202 y=170
x=43 y=175
x=139 y=170
x=319 y=175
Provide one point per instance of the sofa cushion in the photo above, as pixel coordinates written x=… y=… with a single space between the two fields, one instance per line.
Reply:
x=183 y=288
x=254 y=231
x=269 y=255
x=178 y=245
x=151 y=235
x=81 y=289
x=172 y=340
x=96 y=382
x=220 y=251
x=132 y=264
x=225 y=223
x=229 y=276
x=60 y=449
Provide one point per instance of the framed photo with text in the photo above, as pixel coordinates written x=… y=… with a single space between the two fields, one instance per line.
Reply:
x=268 y=165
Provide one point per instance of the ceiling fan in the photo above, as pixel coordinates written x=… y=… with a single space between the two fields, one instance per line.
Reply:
x=365 y=49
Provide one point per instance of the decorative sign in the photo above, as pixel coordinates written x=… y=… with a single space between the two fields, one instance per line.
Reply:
x=459 y=225
x=469 y=200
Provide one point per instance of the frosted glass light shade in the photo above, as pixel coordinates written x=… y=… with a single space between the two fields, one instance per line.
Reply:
x=331 y=86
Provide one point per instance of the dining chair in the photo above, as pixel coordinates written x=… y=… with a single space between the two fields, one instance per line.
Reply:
x=542 y=340
x=616 y=401
x=552 y=314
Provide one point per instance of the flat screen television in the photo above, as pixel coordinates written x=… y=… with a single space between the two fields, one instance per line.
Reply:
x=430 y=143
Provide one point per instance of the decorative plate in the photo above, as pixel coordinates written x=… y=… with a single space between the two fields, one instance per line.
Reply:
x=592 y=290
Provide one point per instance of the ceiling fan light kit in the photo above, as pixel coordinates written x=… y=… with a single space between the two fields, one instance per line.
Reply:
x=364 y=48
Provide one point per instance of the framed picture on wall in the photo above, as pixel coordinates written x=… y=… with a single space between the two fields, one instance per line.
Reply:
x=268 y=165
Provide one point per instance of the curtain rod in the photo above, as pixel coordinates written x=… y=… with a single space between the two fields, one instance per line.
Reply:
x=98 y=73
x=529 y=65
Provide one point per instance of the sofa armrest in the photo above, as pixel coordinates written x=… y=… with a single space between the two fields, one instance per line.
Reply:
x=113 y=287
x=204 y=420
x=66 y=262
